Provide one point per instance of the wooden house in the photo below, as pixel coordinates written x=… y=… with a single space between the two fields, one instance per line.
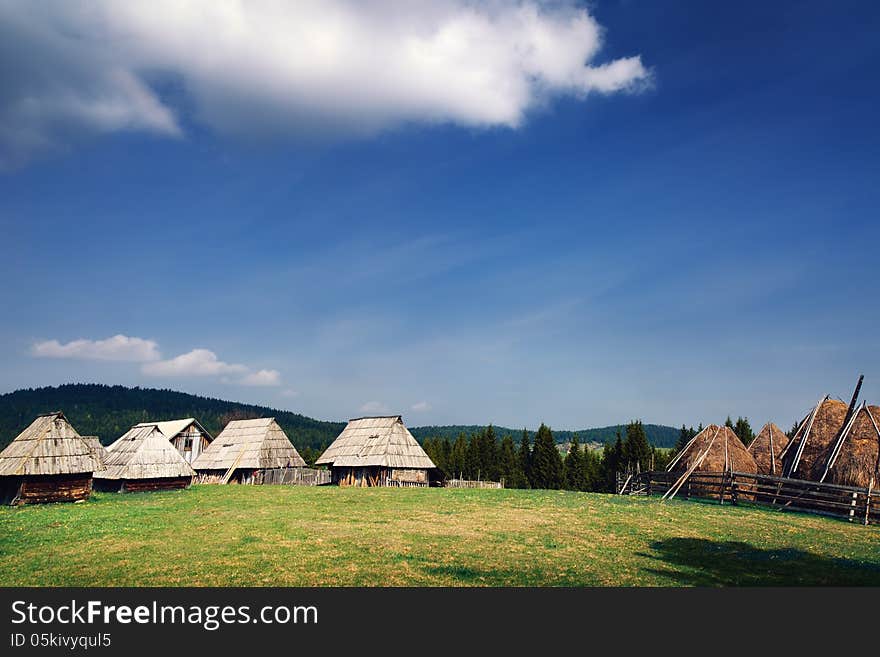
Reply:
x=188 y=436
x=47 y=462
x=245 y=450
x=143 y=460
x=377 y=451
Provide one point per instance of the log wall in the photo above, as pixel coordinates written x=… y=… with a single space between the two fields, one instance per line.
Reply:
x=39 y=489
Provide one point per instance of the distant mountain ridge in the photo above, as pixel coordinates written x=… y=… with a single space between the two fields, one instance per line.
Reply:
x=109 y=411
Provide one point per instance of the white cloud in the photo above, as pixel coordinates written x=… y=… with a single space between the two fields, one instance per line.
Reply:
x=198 y=362
x=119 y=348
x=374 y=408
x=262 y=378
x=420 y=407
x=350 y=67
x=289 y=393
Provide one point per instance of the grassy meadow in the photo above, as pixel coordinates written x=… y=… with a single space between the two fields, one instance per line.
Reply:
x=327 y=536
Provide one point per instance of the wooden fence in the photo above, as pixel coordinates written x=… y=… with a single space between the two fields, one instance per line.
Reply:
x=470 y=483
x=854 y=504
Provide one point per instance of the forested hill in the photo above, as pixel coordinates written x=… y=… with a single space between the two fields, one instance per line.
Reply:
x=658 y=435
x=109 y=411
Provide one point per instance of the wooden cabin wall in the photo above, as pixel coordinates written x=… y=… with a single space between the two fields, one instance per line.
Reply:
x=37 y=489
x=161 y=483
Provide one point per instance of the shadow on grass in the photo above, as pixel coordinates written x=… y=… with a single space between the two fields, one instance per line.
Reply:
x=702 y=562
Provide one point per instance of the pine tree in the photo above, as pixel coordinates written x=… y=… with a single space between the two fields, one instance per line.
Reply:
x=525 y=459
x=573 y=467
x=592 y=470
x=546 y=461
x=458 y=460
x=728 y=423
x=636 y=449
x=743 y=430
x=612 y=463
x=508 y=464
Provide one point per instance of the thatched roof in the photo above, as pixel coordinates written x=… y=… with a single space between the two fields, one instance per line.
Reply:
x=376 y=441
x=767 y=448
x=99 y=452
x=855 y=460
x=251 y=444
x=808 y=452
x=49 y=446
x=143 y=452
x=717 y=449
x=171 y=428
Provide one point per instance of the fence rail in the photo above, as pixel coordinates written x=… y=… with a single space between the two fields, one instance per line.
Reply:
x=848 y=502
x=469 y=483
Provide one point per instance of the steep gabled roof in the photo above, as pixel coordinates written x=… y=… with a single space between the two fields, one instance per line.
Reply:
x=170 y=428
x=376 y=441
x=49 y=446
x=257 y=444
x=99 y=452
x=767 y=448
x=143 y=452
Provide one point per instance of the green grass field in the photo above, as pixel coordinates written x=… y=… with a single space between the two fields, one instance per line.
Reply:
x=298 y=536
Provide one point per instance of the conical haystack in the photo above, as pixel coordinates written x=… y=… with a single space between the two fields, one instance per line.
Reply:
x=767 y=448
x=143 y=459
x=855 y=460
x=715 y=449
x=807 y=454
x=47 y=462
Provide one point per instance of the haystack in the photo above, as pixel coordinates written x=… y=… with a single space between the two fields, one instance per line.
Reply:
x=377 y=451
x=244 y=450
x=99 y=452
x=143 y=460
x=807 y=454
x=715 y=449
x=187 y=435
x=767 y=448
x=855 y=459
x=47 y=462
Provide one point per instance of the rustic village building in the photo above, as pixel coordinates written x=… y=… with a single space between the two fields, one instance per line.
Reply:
x=188 y=436
x=855 y=458
x=245 y=451
x=377 y=451
x=767 y=448
x=47 y=462
x=143 y=460
x=807 y=453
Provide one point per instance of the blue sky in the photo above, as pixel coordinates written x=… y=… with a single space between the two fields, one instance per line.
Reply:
x=686 y=234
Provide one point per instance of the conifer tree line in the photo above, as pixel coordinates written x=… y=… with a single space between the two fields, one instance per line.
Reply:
x=541 y=464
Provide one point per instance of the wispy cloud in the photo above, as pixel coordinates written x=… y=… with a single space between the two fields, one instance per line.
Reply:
x=346 y=67
x=420 y=407
x=262 y=378
x=374 y=408
x=118 y=348
x=198 y=362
